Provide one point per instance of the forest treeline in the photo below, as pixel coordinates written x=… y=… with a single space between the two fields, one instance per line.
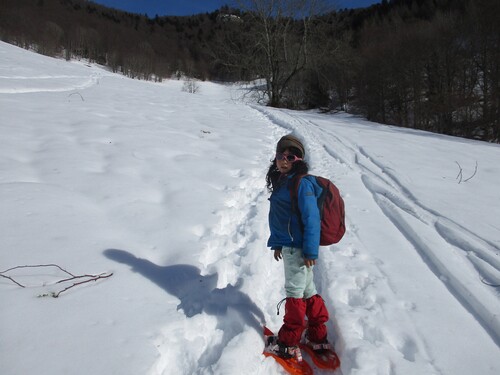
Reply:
x=423 y=64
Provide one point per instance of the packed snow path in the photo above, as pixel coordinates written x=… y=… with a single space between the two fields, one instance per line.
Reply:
x=166 y=190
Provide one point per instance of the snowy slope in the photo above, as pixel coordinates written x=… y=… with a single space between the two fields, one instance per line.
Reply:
x=165 y=189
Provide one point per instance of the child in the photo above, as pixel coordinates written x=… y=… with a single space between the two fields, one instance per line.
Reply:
x=295 y=239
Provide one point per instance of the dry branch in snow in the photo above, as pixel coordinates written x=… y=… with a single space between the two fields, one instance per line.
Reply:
x=75 y=279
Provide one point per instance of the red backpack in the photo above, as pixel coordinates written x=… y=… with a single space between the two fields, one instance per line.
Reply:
x=331 y=209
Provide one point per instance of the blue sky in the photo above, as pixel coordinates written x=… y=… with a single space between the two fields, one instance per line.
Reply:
x=188 y=7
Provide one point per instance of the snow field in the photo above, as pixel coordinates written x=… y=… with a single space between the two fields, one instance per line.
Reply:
x=166 y=189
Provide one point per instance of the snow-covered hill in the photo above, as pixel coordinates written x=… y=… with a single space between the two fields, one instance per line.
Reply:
x=165 y=189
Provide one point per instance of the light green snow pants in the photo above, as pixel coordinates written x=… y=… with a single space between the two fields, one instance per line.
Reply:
x=299 y=281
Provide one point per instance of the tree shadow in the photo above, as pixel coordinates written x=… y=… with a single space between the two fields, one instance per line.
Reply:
x=199 y=294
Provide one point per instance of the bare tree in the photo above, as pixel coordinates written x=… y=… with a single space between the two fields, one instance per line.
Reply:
x=276 y=48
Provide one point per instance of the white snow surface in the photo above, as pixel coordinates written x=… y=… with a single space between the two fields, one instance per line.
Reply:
x=166 y=190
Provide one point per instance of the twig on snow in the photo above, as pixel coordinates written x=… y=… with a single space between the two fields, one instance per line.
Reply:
x=475 y=171
x=11 y=279
x=76 y=93
x=460 y=173
x=84 y=278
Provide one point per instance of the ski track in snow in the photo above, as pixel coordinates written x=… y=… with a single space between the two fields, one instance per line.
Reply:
x=397 y=203
x=23 y=85
x=455 y=242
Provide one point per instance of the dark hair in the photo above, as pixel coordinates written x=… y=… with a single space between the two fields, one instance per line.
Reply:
x=300 y=167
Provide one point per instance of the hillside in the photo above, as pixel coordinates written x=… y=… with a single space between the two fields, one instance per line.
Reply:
x=165 y=190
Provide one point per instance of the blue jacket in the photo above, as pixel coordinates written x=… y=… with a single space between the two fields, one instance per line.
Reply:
x=286 y=230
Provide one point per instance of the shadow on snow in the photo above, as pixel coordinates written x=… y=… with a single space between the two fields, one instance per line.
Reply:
x=199 y=294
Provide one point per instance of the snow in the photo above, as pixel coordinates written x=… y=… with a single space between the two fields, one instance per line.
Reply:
x=165 y=189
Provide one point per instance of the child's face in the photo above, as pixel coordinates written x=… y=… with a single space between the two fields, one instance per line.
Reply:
x=284 y=166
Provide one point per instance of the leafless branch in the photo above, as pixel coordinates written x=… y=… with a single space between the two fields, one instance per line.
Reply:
x=83 y=278
x=76 y=93
x=11 y=279
x=89 y=278
x=459 y=176
x=460 y=173
x=475 y=171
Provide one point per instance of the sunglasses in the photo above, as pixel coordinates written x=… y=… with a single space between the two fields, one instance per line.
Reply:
x=289 y=157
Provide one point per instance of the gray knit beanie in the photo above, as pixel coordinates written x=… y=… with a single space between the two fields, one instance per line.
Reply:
x=288 y=141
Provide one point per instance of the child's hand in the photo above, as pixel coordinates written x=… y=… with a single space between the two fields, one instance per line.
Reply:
x=277 y=255
x=309 y=262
